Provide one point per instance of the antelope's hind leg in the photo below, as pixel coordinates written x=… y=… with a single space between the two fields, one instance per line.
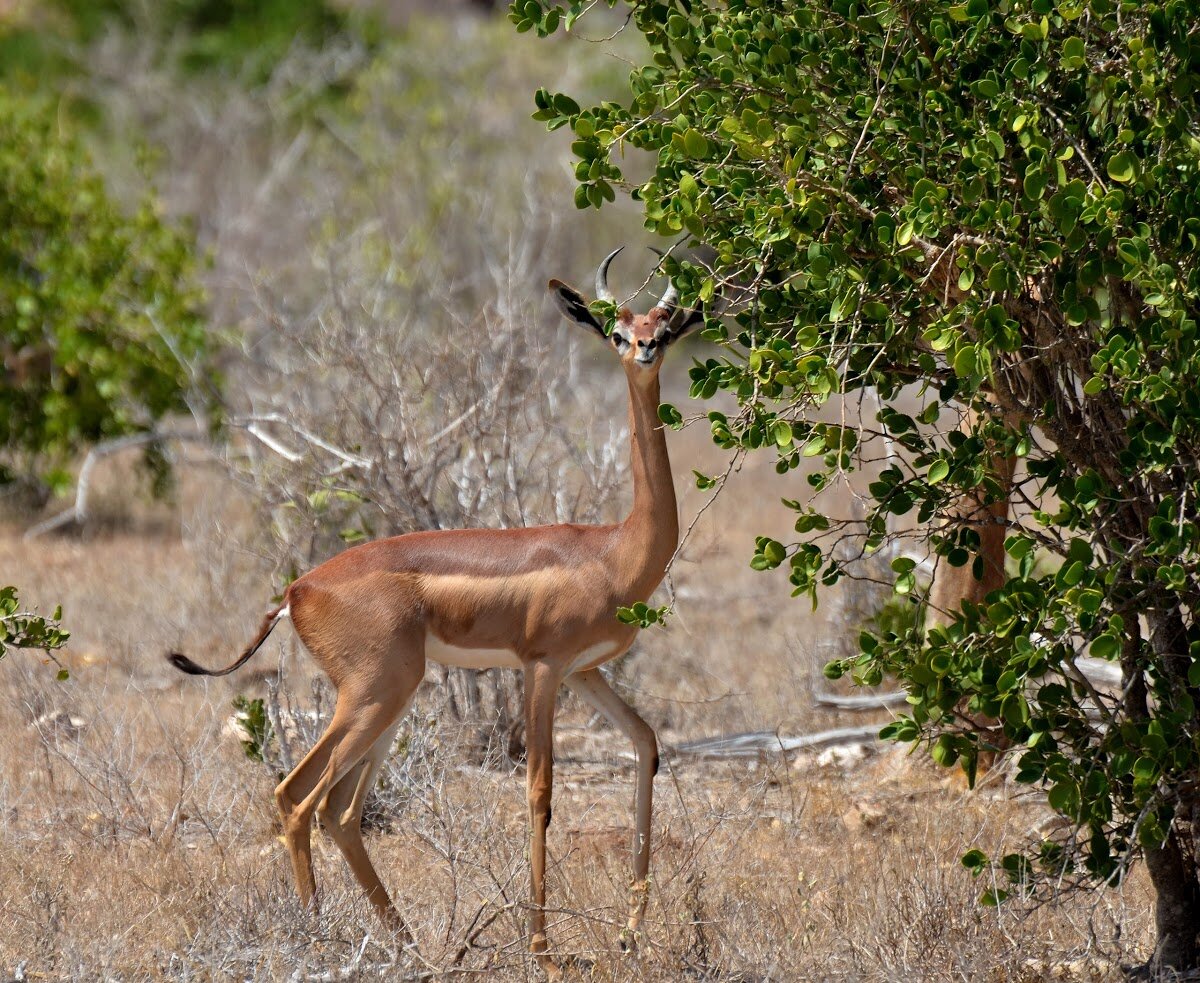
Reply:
x=341 y=815
x=368 y=708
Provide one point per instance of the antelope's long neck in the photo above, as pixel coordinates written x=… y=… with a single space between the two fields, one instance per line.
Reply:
x=651 y=530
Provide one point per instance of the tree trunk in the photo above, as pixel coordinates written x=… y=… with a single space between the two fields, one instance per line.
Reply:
x=1172 y=866
x=952 y=586
x=1176 y=908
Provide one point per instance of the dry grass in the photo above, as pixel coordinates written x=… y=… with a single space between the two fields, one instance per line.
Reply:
x=146 y=846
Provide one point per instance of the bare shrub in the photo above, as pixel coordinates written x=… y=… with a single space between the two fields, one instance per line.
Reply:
x=384 y=256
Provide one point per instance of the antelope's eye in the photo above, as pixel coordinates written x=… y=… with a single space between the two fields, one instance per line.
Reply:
x=620 y=340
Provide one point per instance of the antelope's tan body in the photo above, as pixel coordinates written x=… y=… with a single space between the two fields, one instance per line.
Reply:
x=483 y=598
x=542 y=600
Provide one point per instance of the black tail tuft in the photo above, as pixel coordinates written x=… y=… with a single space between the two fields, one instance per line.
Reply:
x=184 y=664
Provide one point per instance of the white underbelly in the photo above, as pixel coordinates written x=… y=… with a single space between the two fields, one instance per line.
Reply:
x=464 y=658
x=600 y=652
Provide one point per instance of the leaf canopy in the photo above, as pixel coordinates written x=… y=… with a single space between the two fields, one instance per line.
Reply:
x=919 y=209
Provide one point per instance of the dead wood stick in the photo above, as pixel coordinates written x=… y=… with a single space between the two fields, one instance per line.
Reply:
x=872 y=701
x=78 y=512
x=766 y=742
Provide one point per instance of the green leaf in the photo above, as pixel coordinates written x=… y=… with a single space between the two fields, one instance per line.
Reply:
x=944 y=751
x=966 y=362
x=781 y=430
x=1145 y=769
x=1071 y=573
x=975 y=861
x=1122 y=167
x=695 y=143
x=670 y=415
x=1064 y=797
x=1074 y=53
x=938 y=471
x=564 y=104
x=993 y=898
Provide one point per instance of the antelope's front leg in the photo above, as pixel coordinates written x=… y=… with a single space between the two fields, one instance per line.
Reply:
x=541 y=689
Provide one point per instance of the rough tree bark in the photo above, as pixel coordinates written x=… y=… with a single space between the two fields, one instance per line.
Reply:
x=952 y=586
x=1172 y=866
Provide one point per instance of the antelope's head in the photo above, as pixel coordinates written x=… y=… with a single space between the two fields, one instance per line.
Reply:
x=638 y=339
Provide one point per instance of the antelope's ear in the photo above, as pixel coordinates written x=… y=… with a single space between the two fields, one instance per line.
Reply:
x=574 y=307
x=685 y=323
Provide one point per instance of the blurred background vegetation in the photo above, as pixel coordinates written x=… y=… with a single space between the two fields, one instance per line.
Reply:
x=181 y=179
x=246 y=37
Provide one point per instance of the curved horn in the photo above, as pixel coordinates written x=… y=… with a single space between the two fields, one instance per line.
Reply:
x=670 y=296
x=602 y=291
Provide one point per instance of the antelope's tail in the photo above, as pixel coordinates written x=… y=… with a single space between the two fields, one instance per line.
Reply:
x=184 y=664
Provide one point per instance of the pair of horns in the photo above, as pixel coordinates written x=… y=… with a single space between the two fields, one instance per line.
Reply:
x=669 y=299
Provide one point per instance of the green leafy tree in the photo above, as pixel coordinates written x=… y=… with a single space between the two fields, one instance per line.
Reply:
x=989 y=206
x=249 y=37
x=101 y=317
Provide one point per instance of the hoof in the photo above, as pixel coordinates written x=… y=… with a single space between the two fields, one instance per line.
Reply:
x=559 y=969
x=578 y=964
x=553 y=971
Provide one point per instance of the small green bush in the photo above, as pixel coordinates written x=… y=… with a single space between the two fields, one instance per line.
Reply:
x=101 y=314
x=247 y=35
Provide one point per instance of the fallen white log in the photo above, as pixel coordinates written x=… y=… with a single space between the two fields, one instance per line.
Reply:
x=78 y=512
x=1100 y=671
x=872 y=701
x=767 y=742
